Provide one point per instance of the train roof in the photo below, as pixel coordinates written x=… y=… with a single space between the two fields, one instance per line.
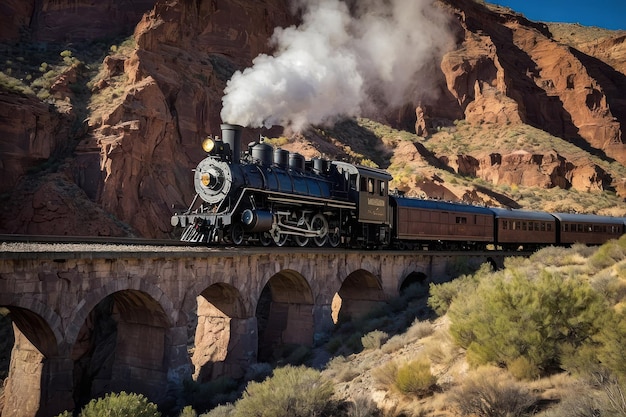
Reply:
x=439 y=205
x=503 y=213
x=362 y=170
x=589 y=218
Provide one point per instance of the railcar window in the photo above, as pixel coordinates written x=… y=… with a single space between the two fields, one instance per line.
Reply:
x=543 y=227
x=382 y=188
x=566 y=227
x=353 y=181
x=461 y=220
x=581 y=227
x=505 y=224
x=363 y=184
x=523 y=225
x=549 y=227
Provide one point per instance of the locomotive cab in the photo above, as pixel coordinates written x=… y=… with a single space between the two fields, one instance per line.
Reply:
x=369 y=187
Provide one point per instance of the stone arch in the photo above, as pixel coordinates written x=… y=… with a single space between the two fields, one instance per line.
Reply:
x=121 y=346
x=95 y=296
x=222 y=344
x=360 y=292
x=33 y=346
x=284 y=313
x=45 y=314
x=414 y=278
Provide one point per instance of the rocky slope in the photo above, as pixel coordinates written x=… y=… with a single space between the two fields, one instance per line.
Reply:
x=123 y=141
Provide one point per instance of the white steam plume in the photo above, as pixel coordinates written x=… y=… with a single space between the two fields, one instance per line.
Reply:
x=339 y=62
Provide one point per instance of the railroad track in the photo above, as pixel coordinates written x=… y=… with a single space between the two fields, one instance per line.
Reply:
x=102 y=240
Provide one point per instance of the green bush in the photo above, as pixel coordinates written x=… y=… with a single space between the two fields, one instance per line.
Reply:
x=120 y=405
x=608 y=254
x=514 y=315
x=290 y=392
x=442 y=295
x=415 y=378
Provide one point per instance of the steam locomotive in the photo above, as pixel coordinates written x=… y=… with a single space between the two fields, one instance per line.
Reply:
x=274 y=197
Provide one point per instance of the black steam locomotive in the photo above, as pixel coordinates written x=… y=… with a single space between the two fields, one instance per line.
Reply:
x=272 y=196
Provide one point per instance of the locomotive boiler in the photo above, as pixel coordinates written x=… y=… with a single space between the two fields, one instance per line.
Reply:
x=270 y=196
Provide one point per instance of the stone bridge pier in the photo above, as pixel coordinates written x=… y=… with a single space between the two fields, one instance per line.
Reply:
x=88 y=323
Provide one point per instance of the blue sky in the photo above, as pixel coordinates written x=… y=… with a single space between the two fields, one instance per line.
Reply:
x=610 y=14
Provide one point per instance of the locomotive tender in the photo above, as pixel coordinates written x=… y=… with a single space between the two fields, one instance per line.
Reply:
x=272 y=196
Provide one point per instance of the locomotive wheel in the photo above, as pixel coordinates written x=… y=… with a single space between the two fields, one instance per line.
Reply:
x=265 y=238
x=302 y=241
x=320 y=224
x=280 y=239
x=334 y=237
x=236 y=234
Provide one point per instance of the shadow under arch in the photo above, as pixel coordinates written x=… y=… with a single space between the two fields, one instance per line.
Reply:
x=220 y=346
x=284 y=314
x=359 y=294
x=414 y=278
x=121 y=346
x=33 y=344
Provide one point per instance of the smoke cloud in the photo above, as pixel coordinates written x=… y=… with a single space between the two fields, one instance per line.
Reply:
x=340 y=62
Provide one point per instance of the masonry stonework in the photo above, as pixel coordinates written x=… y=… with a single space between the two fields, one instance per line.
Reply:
x=93 y=322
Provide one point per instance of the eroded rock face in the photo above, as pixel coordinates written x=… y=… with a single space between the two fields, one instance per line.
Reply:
x=69 y=21
x=508 y=69
x=134 y=159
x=29 y=136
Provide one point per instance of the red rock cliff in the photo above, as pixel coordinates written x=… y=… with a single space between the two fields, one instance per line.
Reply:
x=135 y=155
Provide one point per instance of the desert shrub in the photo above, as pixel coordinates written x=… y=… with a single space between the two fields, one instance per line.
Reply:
x=120 y=405
x=385 y=375
x=608 y=254
x=523 y=368
x=374 y=339
x=441 y=348
x=612 y=339
x=290 y=392
x=415 y=378
x=515 y=315
x=188 y=411
x=224 y=410
x=442 y=295
x=362 y=407
x=419 y=329
x=395 y=343
x=490 y=392
x=611 y=287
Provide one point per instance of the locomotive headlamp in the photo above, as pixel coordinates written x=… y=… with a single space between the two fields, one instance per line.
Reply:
x=205 y=179
x=208 y=144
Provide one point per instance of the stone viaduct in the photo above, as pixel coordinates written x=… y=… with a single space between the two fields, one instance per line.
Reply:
x=86 y=322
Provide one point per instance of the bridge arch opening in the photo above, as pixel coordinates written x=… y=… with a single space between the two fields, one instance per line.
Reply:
x=284 y=314
x=28 y=342
x=121 y=347
x=222 y=323
x=414 y=278
x=360 y=293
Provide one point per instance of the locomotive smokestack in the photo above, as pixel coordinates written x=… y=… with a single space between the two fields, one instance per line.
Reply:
x=231 y=134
